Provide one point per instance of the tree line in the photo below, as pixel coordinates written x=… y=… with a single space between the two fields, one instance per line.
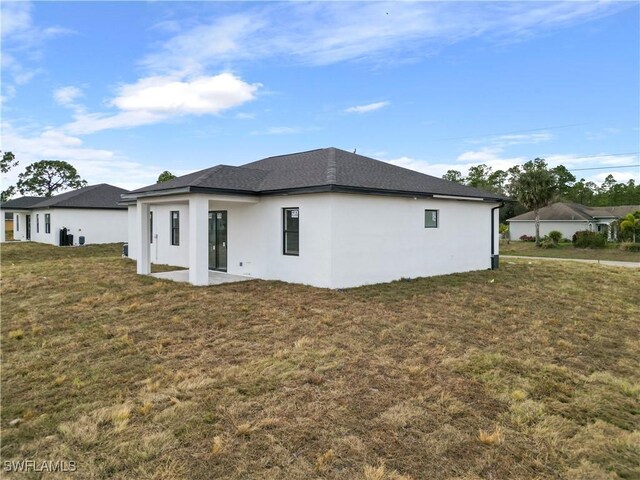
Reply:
x=46 y=177
x=560 y=184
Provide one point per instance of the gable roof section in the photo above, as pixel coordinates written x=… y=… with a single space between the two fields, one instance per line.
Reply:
x=21 y=203
x=321 y=170
x=101 y=196
x=564 y=211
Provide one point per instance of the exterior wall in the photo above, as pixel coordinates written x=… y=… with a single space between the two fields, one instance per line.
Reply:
x=380 y=239
x=566 y=227
x=345 y=240
x=19 y=229
x=96 y=225
x=161 y=250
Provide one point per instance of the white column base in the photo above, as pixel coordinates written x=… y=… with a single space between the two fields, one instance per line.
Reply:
x=198 y=240
x=144 y=254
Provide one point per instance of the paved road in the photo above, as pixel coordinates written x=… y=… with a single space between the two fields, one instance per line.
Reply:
x=610 y=263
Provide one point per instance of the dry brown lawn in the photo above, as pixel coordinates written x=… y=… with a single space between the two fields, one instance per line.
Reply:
x=529 y=372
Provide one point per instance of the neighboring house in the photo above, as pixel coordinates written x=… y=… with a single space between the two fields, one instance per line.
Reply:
x=569 y=218
x=325 y=217
x=91 y=212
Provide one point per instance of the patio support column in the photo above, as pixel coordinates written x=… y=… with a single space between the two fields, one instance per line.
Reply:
x=198 y=240
x=4 y=225
x=144 y=254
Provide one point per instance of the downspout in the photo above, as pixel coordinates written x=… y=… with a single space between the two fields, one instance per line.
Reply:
x=495 y=259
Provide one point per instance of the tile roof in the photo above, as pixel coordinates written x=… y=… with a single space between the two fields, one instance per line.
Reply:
x=326 y=169
x=102 y=196
x=574 y=211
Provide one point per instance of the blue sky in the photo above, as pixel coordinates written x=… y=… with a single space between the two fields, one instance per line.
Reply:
x=125 y=90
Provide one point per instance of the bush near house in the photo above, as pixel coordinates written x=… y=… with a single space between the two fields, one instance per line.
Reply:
x=587 y=239
x=547 y=242
x=630 y=247
x=555 y=236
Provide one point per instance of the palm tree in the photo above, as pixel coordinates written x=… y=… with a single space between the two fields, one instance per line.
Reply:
x=534 y=187
x=630 y=222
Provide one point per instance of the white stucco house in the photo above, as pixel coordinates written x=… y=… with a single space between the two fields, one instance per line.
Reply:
x=325 y=217
x=569 y=218
x=92 y=213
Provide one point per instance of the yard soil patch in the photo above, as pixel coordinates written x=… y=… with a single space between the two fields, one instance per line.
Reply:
x=527 y=372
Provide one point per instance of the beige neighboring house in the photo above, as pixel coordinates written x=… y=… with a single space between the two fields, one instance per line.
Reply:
x=569 y=218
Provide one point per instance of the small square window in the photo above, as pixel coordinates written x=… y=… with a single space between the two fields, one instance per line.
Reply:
x=431 y=219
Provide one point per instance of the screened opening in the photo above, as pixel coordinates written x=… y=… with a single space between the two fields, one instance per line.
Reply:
x=150 y=227
x=37 y=223
x=291 y=237
x=47 y=223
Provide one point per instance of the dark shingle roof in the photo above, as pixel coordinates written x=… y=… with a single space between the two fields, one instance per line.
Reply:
x=326 y=169
x=575 y=211
x=94 y=196
x=21 y=203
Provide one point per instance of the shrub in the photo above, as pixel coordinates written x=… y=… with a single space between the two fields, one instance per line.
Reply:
x=630 y=246
x=547 y=242
x=527 y=238
x=587 y=239
x=555 y=236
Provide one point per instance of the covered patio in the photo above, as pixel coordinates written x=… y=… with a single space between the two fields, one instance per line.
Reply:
x=215 y=278
x=197 y=239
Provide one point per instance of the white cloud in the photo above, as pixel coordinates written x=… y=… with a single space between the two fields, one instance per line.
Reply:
x=284 y=130
x=21 y=43
x=619 y=176
x=158 y=98
x=201 y=95
x=366 y=108
x=94 y=165
x=66 y=96
x=321 y=33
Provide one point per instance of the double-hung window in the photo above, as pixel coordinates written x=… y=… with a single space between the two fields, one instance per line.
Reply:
x=47 y=223
x=431 y=219
x=175 y=227
x=291 y=231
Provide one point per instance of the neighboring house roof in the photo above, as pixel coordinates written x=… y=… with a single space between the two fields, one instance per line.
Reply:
x=563 y=211
x=321 y=170
x=21 y=203
x=101 y=196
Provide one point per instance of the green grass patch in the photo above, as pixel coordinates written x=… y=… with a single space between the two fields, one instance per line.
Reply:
x=567 y=250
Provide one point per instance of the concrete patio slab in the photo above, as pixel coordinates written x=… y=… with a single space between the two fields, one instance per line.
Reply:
x=215 y=278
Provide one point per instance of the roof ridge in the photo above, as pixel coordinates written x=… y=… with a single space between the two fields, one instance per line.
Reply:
x=332 y=167
x=206 y=172
x=71 y=194
x=246 y=165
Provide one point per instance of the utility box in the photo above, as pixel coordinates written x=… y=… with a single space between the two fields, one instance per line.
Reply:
x=495 y=262
x=81 y=240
